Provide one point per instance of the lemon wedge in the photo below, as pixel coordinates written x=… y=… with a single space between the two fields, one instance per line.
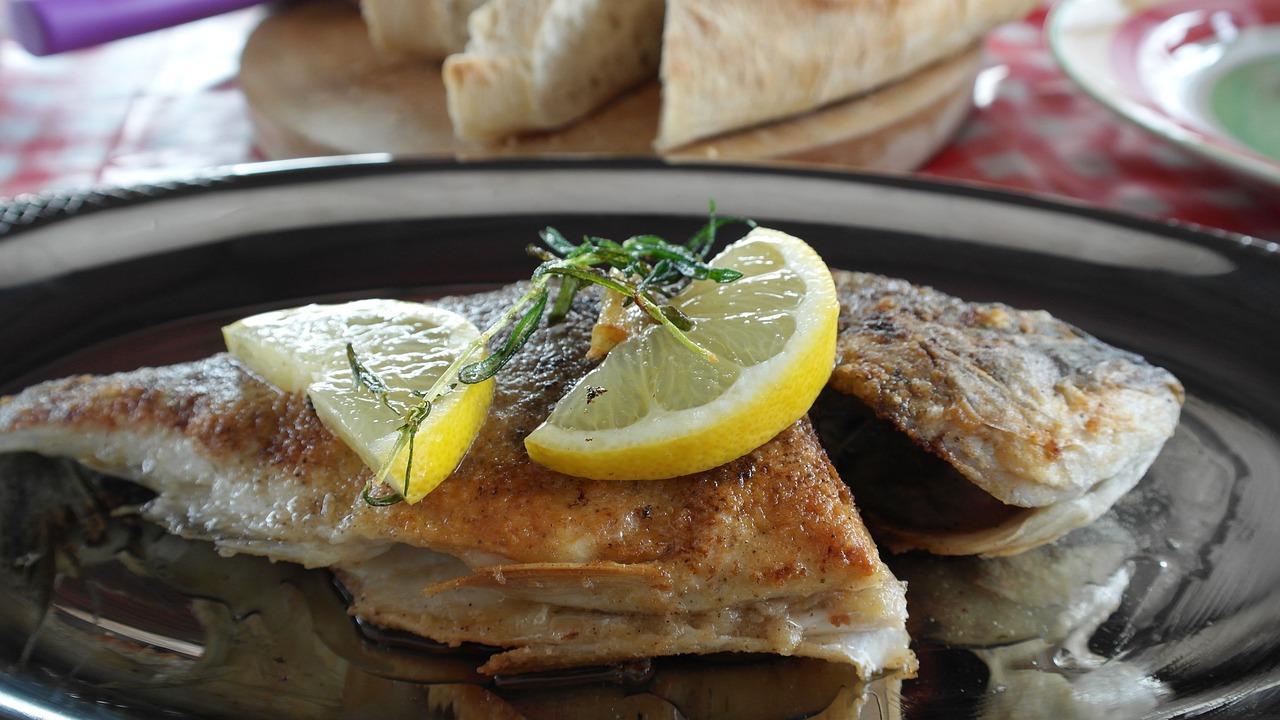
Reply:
x=654 y=409
x=407 y=346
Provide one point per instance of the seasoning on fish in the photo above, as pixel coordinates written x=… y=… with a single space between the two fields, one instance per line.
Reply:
x=763 y=554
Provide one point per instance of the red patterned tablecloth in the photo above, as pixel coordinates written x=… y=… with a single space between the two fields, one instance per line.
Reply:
x=1037 y=131
x=161 y=105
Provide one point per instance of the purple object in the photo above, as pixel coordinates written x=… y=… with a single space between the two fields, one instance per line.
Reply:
x=45 y=27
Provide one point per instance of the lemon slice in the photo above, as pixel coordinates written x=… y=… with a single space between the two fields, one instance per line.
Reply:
x=407 y=345
x=655 y=409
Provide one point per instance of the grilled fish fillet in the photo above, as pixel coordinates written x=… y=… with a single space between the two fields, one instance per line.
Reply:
x=425 y=29
x=1042 y=426
x=765 y=554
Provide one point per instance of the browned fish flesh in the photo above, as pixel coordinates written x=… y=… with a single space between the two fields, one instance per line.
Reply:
x=765 y=554
x=1042 y=427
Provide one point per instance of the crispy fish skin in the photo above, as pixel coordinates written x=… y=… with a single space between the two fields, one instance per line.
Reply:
x=1033 y=411
x=764 y=554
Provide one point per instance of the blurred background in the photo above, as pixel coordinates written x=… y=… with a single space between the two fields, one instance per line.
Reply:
x=170 y=102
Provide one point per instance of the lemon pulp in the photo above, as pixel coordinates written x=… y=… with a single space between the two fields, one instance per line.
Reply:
x=408 y=346
x=655 y=409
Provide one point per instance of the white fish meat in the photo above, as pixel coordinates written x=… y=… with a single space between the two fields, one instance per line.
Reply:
x=1042 y=427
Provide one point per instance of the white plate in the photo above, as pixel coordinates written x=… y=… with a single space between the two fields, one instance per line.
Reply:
x=1202 y=74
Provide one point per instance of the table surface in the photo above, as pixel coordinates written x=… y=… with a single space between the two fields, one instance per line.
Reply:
x=166 y=104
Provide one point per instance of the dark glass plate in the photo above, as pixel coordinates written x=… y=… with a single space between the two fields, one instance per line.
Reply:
x=1168 y=606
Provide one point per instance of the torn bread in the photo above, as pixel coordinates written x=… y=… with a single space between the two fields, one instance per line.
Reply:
x=426 y=29
x=766 y=554
x=533 y=65
x=733 y=64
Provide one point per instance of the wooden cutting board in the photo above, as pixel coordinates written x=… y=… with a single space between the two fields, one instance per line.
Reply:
x=316 y=86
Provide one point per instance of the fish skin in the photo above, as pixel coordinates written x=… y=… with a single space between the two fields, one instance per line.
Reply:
x=1035 y=412
x=250 y=468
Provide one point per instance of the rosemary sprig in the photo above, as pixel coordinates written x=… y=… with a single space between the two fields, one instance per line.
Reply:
x=645 y=269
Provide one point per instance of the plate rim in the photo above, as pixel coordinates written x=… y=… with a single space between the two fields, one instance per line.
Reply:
x=27 y=212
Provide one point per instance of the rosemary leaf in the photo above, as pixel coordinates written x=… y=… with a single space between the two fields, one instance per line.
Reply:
x=556 y=241
x=487 y=368
x=364 y=377
x=569 y=287
x=677 y=318
x=383 y=500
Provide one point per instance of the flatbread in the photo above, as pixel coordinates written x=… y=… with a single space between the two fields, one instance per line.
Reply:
x=315 y=86
x=732 y=64
x=424 y=29
x=541 y=64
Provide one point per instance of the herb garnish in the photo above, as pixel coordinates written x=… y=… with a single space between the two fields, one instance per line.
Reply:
x=645 y=269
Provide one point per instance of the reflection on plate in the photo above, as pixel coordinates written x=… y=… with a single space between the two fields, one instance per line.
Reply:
x=1164 y=607
x=1205 y=75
